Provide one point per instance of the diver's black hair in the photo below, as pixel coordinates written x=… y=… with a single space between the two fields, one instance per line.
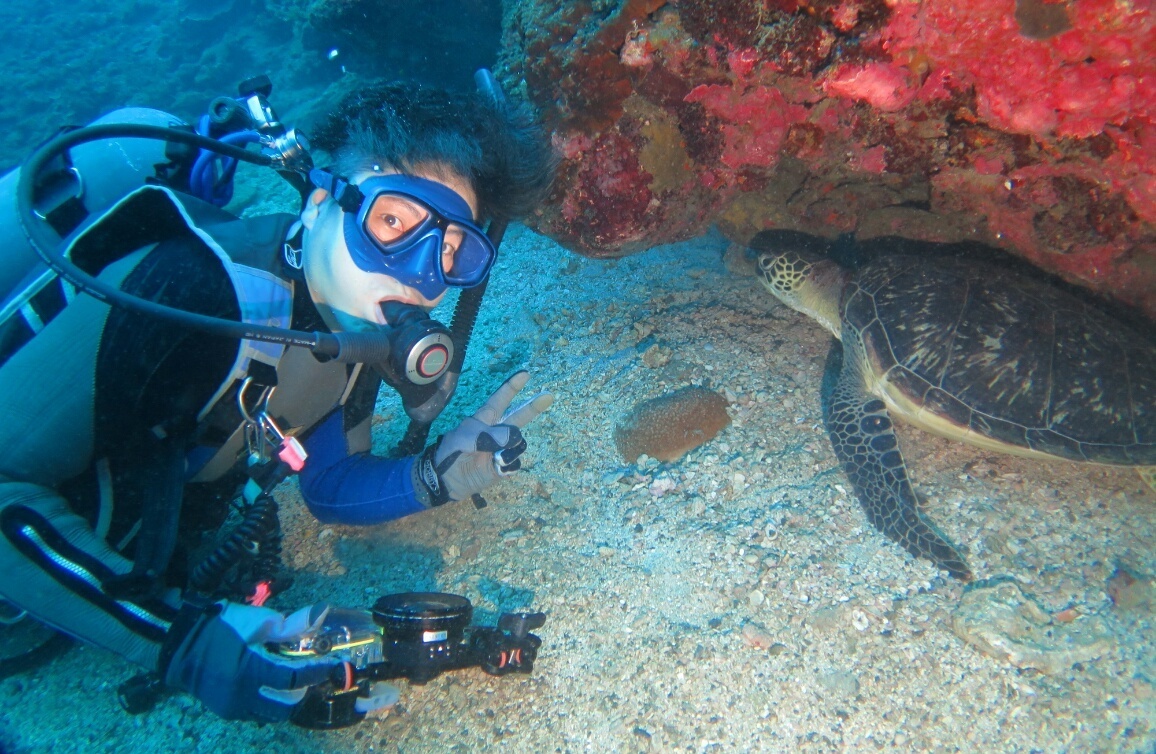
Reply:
x=506 y=157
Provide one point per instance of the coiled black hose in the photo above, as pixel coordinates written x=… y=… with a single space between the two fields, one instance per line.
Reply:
x=267 y=564
x=257 y=537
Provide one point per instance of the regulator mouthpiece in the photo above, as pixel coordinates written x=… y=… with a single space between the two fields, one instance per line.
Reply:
x=421 y=348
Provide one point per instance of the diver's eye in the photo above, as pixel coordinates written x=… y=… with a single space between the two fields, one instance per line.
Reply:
x=386 y=226
x=449 y=250
x=451 y=242
x=392 y=216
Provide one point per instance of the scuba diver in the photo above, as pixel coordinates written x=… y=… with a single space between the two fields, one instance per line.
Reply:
x=126 y=436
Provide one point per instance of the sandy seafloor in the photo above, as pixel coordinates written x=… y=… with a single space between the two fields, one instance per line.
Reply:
x=750 y=607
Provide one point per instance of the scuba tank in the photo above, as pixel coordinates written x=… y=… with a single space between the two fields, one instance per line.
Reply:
x=84 y=182
x=51 y=208
x=281 y=149
x=88 y=180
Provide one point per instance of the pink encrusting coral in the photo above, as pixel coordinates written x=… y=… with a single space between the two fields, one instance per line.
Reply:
x=758 y=119
x=884 y=86
x=1096 y=73
x=1028 y=124
x=1094 y=76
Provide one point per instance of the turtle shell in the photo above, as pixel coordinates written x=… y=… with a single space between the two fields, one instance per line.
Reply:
x=1003 y=360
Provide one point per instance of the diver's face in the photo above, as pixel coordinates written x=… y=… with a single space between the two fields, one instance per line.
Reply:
x=335 y=281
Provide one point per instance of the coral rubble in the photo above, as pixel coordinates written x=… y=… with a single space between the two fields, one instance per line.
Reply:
x=1027 y=125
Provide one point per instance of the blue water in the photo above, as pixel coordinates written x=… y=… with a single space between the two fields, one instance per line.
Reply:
x=66 y=62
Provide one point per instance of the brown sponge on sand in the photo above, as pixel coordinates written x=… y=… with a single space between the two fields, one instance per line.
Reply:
x=671 y=425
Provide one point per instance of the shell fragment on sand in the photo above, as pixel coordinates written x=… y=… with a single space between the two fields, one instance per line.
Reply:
x=1003 y=622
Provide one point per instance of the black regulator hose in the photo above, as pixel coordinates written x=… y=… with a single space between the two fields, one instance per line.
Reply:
x=469 y=301
x=345 y=347
x=461 y=329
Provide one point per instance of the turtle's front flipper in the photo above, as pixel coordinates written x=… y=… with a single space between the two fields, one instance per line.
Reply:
x=866 y=445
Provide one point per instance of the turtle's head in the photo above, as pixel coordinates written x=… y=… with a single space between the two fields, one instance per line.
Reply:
x=805 y=280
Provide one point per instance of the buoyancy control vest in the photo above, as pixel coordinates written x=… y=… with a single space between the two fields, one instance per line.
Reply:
x=301 y=388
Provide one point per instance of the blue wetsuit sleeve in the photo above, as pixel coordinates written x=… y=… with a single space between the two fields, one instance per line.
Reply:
x=358 y=488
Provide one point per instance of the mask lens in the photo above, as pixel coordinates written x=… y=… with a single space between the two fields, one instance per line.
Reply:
x=398 y=223
x=392 y=218
x=471 y=257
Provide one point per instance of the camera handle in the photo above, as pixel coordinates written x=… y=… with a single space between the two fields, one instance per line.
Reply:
x=416 y=636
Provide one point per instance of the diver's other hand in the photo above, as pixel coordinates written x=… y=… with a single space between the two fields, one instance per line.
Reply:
x=219 y=656
x=482 y=449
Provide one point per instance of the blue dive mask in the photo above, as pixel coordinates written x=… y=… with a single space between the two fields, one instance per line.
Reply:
x=415 y=230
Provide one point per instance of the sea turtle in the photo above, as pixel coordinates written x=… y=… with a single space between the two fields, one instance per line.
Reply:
x=994 y=356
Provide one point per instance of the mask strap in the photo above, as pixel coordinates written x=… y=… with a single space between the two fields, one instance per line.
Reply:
x=347 y=196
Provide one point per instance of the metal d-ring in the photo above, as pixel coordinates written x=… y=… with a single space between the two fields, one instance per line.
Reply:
x=255 y=439
x=260 y=406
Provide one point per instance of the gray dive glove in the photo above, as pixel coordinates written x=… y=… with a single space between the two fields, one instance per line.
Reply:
x=482 y=449
x=218 y=655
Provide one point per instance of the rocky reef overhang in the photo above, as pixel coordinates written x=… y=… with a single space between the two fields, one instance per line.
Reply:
x=1026 y=125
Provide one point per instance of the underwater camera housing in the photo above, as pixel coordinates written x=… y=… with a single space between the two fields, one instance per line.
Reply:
x=412 y=635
